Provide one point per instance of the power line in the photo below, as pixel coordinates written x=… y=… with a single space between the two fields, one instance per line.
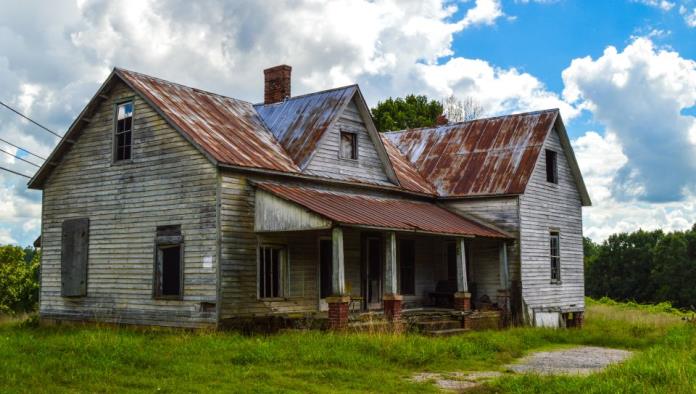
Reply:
x=14 y=172
x=31 y=120
x=20 y=148
x=26 y=161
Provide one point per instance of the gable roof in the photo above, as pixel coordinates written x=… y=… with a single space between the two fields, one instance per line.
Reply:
x=298 y=123
x=483 y=157
x=227 y=129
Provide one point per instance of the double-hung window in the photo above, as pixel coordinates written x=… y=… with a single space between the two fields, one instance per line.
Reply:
x=272 y=271
x=555 y=253
x=123 y=132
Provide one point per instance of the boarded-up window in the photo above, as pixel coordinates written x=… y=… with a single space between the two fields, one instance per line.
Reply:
x=407 y=266
x=555 y=243
x=123 y=132
x=349 y=145
x=73 y=261
x=551 y=166
x=272 y=271
x=169 y=262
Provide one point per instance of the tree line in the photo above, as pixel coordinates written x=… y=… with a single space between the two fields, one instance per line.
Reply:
x=643 y=266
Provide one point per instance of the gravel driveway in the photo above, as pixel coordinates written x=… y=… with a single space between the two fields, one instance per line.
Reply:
x=582 y=360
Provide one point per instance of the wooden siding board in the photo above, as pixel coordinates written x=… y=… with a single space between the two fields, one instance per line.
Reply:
x=326 y=162
x=545 y=207
x=168 y=182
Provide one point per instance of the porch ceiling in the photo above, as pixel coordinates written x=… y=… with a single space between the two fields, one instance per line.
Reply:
x=362 y=210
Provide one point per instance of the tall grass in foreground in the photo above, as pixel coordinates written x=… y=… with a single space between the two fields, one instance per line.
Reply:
x=61 y=359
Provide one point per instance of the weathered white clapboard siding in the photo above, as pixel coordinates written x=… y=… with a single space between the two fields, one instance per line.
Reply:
x=167 y=182
x=547 y=207
x=327 y=163
x=504 y=213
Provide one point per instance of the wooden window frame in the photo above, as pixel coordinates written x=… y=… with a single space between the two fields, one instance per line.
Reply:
x=114 y=141
x=551 y=157
x=354 y=145
x=555 y=260
x=166 y=241
x=283 y=278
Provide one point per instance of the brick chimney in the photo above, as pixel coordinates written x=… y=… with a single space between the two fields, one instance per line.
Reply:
x=276 y=84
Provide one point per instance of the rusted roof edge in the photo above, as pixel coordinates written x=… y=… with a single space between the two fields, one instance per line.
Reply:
x=46 y=169
x=574 y=167
x=164 y=116
x=330 y=181
x=374 y=136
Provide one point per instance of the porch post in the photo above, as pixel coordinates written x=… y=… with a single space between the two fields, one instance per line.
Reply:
x=391 y=298
x=462 y=298
x=504 y=289
x=338 y=302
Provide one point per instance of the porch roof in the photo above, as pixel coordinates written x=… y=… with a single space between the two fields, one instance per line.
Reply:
x=363 y=210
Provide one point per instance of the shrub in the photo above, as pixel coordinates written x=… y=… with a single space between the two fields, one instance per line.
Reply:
x=19 y=280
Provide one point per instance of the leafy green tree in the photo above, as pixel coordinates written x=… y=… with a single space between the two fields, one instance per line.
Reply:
x=19 y=280
x=406 y=113
x=623 y=266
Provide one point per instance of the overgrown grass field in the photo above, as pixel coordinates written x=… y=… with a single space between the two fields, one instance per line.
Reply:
x=93 y=359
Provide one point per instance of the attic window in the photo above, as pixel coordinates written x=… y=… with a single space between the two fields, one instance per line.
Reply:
x=551 y=166
x=349 y=145
x=124 y=127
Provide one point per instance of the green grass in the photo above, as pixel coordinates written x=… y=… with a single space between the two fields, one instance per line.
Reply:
x=60 y=359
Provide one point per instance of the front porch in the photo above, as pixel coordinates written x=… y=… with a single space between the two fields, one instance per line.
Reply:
x=352 y=275
x=343 y=253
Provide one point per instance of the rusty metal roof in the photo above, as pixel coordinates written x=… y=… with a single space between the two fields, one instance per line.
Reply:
x=299 y=122
x=406 y=173
x=494 y=156
x=388 y=213
x=227 y=129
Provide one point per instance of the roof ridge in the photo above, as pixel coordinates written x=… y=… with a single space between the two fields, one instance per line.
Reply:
x=472 y=120
x=119 y=69
x=307 y=94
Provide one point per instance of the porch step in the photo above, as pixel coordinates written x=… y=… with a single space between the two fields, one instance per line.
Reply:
x=380 y=326
x=446 y=333
x=434 y=325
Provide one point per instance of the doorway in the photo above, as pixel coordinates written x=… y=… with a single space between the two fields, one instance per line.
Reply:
x=373 y=272
x=325 y=271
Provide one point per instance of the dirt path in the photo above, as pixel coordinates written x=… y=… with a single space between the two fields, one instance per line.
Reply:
x=582 y=360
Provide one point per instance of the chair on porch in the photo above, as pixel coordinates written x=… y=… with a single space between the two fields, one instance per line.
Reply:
x=443 y=296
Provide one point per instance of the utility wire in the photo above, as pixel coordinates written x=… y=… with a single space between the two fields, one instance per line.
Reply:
x=26 y=161
x=14 y=172
x=31 y=120
x=22 y=149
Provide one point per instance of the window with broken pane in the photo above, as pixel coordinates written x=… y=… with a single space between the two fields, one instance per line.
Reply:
x=123 y=132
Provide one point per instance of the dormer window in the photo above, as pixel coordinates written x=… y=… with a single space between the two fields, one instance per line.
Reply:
x=349 y=145
x=123 y=132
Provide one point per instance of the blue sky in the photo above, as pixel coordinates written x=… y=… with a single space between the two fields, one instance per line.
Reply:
x=622 y=73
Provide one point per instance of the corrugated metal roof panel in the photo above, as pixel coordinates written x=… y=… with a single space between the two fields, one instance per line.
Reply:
x=493 y=156
x=407 y=175
x=229 y=130
x=387 y=213
x=300 y=122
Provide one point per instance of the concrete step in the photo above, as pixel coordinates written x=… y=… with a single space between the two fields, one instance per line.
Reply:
x=446 y=333
x=431 y=325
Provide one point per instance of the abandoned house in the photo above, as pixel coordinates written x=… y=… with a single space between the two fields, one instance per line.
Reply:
x=168 y=205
